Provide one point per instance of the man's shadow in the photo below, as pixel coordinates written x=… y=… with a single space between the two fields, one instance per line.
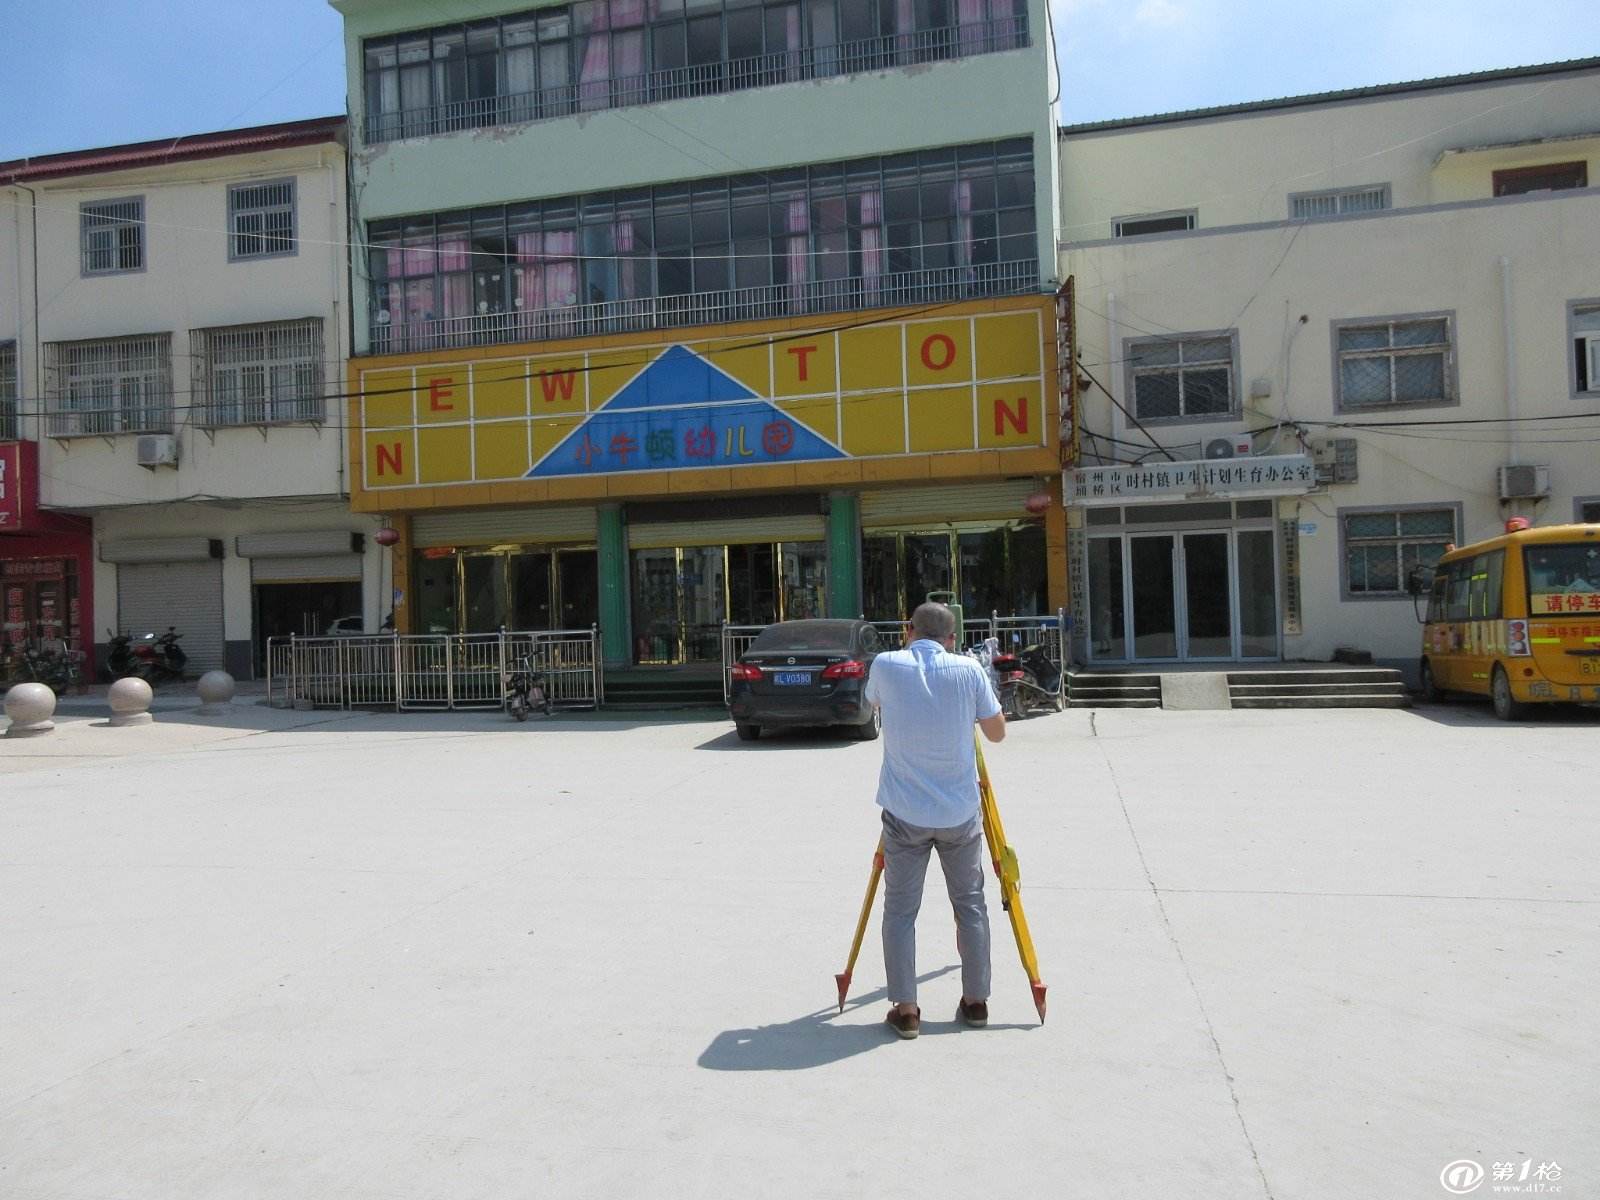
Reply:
x=815 y=1040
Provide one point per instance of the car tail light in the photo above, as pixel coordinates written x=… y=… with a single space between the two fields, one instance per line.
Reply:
x=1014 y=674
x=746 y=673
x=850 y=669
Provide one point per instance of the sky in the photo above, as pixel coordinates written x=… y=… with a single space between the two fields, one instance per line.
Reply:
x=87 y=73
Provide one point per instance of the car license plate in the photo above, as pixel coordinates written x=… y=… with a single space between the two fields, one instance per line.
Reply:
x=1589 y=666
x=791 y=678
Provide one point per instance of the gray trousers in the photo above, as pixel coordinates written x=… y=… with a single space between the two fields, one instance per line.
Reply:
x=905 y=866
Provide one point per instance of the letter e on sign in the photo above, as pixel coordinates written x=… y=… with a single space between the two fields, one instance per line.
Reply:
x=438 y=389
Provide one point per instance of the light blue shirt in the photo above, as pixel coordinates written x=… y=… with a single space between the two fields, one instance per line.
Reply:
x=930 y=700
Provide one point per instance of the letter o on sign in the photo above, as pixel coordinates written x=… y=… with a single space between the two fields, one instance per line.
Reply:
x=938 y=351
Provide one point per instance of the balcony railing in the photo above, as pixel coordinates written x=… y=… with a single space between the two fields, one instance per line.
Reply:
x=706 y=308
x=707 y=79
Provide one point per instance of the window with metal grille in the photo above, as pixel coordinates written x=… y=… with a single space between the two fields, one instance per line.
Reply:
x=111 y=235
x=1166 y=222
x=1583 y=322
x=1550 y=177
x=120 y=385
x=8 y=391
x=1382 y=548
x=1179 y=378
x=1398 y=361
x=259 y=374
x=1336 y=202
x=1588 y=511
x=261 y=219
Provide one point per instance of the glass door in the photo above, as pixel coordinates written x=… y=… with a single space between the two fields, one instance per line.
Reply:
x=1152 y=561
x=1255 y=552
x=703 y=601
x=531 y=591
x=805 y=580
x=655 y=606
x=1207 y=596
x=578 y=580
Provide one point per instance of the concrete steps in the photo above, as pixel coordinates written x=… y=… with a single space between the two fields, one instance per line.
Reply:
x=1102 y=689
x=1290 y=687
x=1331 y=687
x=643 y=690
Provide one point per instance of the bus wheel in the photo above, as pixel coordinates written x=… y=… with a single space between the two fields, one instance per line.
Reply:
x=1430 y=685
x=1506 y=706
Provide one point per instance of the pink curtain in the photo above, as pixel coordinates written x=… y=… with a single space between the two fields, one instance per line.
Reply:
x=905 y=25
x=622 y=231
x=797 y=252
x=457 y=291
x=530 y=280
x=594 y=74
x=871 y=241
x=970 y=15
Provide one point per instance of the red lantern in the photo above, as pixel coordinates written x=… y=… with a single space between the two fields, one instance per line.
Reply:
x=387 y=536
x=1037 y=503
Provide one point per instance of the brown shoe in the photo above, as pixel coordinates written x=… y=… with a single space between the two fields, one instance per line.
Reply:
x=975 y=1015
x=906 y=1024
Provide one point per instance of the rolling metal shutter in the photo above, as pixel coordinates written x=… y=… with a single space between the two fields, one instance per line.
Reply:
x=490 y=526
x=744 y=530
x=311 y=568
x=151 y=596
x=956 y=502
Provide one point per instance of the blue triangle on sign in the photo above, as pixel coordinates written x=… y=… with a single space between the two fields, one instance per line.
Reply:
x=680 y=377
x=682 y=411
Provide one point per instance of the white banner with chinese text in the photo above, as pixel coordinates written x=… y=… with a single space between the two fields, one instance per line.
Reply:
x=1198 y=479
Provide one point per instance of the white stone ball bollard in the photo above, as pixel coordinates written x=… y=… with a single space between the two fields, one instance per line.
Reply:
x=130 y=701
x=216 y=690
x=30 y=707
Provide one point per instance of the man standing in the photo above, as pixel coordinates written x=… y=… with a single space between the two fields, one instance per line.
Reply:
x=928 y=790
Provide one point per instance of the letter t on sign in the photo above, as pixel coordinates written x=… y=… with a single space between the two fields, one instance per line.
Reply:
x=801 y=364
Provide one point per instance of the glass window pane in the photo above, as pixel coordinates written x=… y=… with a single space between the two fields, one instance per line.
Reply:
x=1156 y=395
x=1363 y=337
x=1206 y=392
x=1364 y=381
x=1148 y=354
x=1366 y=525
x=1433 y=521
x=1208 y=350
x=1586 y=320
x=1420 y=333
x=1258 y=595
x=1419 y=377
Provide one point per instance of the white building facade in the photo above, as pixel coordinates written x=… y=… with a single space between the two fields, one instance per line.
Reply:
x=1366 y=324
x=173 y=351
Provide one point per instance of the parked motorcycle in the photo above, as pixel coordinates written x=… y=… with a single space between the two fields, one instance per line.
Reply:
x=1003 y=673
x=1040 y=681
x=52 y=664
x=159 y=658
x=119 y=656
x=525 y=691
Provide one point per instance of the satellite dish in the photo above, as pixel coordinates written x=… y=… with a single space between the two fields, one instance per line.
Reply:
x=1219 y=448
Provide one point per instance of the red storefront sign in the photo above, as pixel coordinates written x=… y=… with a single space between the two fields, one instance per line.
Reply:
x=19 y=495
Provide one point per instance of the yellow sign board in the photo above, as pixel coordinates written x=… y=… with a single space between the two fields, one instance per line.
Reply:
x=859 y=388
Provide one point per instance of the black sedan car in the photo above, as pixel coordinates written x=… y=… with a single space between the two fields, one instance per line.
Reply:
x=806 y=673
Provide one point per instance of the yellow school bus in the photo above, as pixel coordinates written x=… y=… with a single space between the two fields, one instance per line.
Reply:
x=1517 y=618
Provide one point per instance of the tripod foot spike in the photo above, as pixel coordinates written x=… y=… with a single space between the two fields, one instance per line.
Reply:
x=1038 y=999
x=844 y=987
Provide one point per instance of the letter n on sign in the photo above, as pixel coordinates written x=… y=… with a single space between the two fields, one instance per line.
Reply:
x=390 y=459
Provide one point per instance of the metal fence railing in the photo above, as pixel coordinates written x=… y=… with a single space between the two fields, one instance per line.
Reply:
x=392 y=331
x=432 y=671
x=1014 y=634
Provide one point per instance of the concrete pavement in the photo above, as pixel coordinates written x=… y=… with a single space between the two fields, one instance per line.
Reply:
x=293 y=955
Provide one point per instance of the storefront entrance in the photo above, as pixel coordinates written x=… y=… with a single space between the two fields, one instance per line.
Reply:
x=683 y=594
x=1182 y=595
x=991 y=569
x=40 y=599
x=514 y=587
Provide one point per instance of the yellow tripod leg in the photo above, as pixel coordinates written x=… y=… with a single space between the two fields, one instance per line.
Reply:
x=1010 y=876
x=861 y=925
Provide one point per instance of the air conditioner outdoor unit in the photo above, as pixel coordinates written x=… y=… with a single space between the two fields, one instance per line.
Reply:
x=157 y=450
x=1524 y=483
x=1221 y=448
